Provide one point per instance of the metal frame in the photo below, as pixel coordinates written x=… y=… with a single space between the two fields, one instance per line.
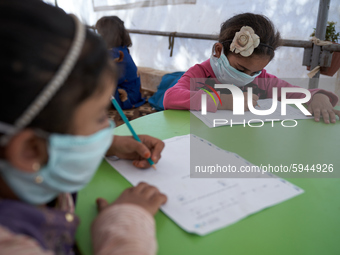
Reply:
x=314 y=55
x=140 y=4
x=320 y=33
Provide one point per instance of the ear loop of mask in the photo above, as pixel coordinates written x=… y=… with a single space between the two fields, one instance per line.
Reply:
x=8 y=131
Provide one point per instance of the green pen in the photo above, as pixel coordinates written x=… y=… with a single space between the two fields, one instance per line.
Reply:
x=121 y=113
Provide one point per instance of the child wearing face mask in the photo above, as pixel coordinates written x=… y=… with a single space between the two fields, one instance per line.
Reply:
x=247 y=43
x=57 y=83
x=117 y=39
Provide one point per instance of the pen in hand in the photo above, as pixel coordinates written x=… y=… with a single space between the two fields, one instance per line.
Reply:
x=121 y=113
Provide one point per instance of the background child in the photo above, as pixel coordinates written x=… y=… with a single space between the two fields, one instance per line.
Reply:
x=54 y=131
x=117 y=39
x=247 y=43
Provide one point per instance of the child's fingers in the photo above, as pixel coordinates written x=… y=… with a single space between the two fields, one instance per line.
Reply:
x=325 y=116
x=316 y=114
x=255 y=97
x=157 y=149
x=101 y=204
x=149 y=191
x=140 y=187
x=142 y=150
x=141 y=163
x=336 y=112
x=155 y=145
x=159 y=199
x=332 y=116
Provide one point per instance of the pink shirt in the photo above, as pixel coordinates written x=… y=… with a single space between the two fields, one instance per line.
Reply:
x=185 y=95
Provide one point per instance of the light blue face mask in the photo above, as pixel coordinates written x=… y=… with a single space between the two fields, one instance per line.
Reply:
x=73 y=160
x=226 y=74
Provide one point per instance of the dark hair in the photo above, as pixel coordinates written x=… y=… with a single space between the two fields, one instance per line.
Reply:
x=35 y=38
x=113 y=31
x=261 y=25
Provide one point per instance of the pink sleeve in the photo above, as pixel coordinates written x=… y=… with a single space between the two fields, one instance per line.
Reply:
x=267 y=81
x=185 y=95
x=124 y=229
x=14 y=244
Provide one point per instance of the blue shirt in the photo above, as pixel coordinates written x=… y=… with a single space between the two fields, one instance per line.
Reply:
x=128 y=79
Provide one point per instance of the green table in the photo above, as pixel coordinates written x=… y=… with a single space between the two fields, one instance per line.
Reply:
x=307 y=224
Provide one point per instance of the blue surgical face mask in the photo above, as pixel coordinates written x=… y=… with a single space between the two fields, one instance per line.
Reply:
x=72 y=162
x=226 y=74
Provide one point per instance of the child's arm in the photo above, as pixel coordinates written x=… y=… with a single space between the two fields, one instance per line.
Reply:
x=185 y=95
x=267 y=81
x=127 y=226
x=321 y=102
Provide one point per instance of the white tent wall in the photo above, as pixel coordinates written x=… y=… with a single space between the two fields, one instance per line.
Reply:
x=295 y=19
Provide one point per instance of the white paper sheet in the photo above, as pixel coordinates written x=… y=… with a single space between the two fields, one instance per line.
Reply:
x=265 y=104
x=204 y=205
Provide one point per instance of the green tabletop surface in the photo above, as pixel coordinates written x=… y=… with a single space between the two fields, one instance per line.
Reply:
x=306 y=224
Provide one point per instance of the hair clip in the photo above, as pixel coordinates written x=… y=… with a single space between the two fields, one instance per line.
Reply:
x=245 y=41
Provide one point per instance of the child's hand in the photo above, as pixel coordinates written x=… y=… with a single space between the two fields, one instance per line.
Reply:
x=126 y=147
x=255 y=98
x=321 y=106
x=123 y=95
x=120 y=58
x=227 y=101
x=143 y=195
